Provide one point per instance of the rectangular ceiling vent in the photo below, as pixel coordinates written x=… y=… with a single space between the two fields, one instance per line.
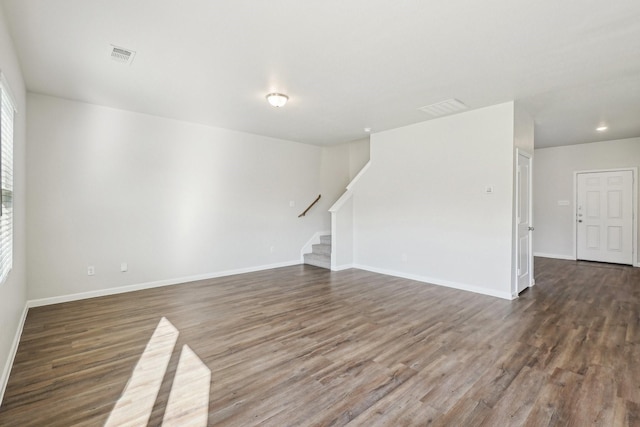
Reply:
x=444 y=108
x=122 y=55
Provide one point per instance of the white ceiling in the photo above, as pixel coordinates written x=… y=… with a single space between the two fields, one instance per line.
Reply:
x=346 y=64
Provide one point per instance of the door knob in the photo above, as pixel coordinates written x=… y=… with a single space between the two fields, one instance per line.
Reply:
x=579 y=220
x=531 y=228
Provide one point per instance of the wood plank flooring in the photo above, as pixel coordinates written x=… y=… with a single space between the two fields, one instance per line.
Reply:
x=302 y=346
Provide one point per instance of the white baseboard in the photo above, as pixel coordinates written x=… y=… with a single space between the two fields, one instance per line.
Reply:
x=149 y=285
x=342 y=267
x=567 y=257
x=4 y=379
x=556 y=256
x=439 y=282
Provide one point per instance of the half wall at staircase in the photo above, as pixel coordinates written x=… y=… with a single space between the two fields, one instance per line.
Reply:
x=437 y=202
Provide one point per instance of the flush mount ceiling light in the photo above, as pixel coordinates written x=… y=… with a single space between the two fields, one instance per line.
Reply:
x=602 y=128
x=277 y=99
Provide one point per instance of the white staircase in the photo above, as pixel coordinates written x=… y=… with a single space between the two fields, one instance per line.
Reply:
x=320 y=255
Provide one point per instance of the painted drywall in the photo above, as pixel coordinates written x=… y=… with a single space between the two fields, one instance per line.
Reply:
x=342 y=231
x=13 y=292
x=169 y=198
x=334 y=178
x=421 y=209
x=340 y=164
x=554 y=182
x=342 y=225
x=359 y=156
x=523 y=129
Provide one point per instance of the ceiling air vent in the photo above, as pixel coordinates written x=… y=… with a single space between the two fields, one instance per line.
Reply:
x=122 y=55
x=444 y=108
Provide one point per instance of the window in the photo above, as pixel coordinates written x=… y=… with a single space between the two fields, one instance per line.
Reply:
x=7 y=110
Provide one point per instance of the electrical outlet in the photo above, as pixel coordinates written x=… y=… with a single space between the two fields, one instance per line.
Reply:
x=91 y=270
x=272 y=249
x=123 y=267
x=404 y=257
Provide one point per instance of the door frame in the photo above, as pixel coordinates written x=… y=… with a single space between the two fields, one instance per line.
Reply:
x=532 y=281
x=634 y=205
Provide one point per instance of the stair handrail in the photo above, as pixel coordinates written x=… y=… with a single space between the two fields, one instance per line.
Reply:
x=310 y=206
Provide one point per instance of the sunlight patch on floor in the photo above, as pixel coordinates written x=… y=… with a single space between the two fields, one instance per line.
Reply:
x=189 y=398
x=136 y=403
x=188 y=404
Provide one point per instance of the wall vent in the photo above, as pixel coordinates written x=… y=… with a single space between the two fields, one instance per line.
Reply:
x=444 y=108
x=122 y=55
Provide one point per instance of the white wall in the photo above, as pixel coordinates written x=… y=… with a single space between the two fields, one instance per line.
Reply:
x=424 y=198
x=171 y=199
x=334 y=178
x=13 y=292
x=523 y=129
x=553 y=182
x=342 y=229
x=359 y=156
x=340 y=164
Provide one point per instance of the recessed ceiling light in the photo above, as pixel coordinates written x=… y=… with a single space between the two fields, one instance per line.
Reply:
x=367 y=130
x=602 y=128
x=277 y=99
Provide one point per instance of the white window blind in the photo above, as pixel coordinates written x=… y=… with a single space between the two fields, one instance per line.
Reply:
x=7 y=111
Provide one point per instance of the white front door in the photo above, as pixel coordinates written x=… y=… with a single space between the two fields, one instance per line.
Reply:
x=524 y=254
x=604 y=215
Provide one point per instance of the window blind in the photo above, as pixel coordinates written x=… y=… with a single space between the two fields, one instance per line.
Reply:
x=7 y=110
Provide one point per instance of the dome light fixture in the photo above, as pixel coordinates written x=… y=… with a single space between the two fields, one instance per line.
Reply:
x=602 y=128
x=277 y=99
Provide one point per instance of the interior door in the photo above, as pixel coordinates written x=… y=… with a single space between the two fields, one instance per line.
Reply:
x=604 y=215
x=523 y=218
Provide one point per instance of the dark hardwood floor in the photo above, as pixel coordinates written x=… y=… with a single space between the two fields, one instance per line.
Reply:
x=303 y=346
